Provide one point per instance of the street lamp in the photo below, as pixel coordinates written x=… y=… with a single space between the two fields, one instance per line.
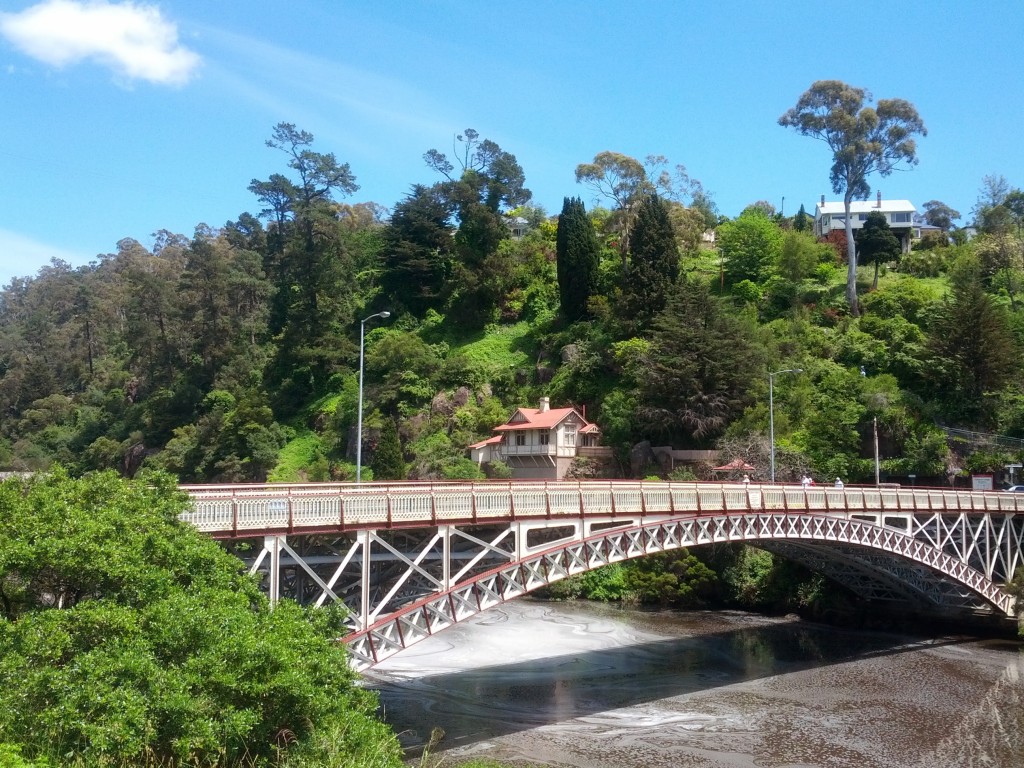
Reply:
x=771 y=411
x=359 y=428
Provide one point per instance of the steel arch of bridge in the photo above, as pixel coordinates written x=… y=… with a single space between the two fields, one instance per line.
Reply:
x=411 y=560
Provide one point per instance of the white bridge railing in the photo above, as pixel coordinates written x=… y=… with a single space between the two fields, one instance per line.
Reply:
x=239 y=510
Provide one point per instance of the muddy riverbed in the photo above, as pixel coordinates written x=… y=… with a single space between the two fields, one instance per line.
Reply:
x=578 y=685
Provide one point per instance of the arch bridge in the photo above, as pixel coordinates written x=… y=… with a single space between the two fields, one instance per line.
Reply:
x=411 y=559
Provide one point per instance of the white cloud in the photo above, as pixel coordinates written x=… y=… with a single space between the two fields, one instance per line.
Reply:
x=133 y=40
x=21 y=256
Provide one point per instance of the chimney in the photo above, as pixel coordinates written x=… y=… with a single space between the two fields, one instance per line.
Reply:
x=879 y=206
x=545 y=404
x=822 y=201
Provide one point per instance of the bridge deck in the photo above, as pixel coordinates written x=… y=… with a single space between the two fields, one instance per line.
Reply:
x=246 y=510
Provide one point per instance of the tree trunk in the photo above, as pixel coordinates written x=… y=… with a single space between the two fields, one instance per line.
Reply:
x=851 y=260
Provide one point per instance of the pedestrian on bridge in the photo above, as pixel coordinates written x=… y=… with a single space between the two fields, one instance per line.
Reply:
x=839 y=482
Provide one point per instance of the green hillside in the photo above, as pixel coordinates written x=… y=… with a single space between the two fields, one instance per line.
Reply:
x=232 y=354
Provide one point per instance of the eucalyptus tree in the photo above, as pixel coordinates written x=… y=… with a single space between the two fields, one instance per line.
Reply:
x=940 y=215
x=625 y=181
x=863 y=140
x=993 y=191
x=486 y=170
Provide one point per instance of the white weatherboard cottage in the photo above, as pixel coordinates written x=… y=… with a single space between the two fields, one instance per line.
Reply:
x=541 y=443
x=830 y=216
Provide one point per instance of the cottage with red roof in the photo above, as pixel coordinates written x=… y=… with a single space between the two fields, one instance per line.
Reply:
x=539 y=443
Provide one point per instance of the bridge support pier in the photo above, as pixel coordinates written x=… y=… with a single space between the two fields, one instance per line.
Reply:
x=272 y=550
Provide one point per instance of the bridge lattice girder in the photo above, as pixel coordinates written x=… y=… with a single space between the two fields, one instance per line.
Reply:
x=410 y=558
x=403 y=585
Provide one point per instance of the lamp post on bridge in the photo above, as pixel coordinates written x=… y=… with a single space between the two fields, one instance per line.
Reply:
x=359 y=419
x=771 y=412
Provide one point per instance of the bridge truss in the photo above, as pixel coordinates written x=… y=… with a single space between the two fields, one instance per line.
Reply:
x=408 y=566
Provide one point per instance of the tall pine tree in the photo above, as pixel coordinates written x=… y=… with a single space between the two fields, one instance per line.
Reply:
x=653 y=261
x=577 y=252
x=973 y=349
x=418 y=257
x=699 y=368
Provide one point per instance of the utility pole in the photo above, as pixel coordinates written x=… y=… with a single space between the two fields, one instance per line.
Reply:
x=877 y=483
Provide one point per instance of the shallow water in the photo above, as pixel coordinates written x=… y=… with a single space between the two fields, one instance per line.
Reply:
x=579 y=685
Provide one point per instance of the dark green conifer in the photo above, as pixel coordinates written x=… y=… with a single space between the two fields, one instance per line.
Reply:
x=699 y=369
x=387 y=462
x=877 y=243
x=577 y=253
x=653 y=261
x=974 y=351
x=802 y=222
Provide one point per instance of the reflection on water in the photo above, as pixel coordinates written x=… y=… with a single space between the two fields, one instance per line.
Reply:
x=589 y=685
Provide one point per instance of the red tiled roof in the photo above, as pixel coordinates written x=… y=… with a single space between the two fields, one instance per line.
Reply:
x=488 y=441
x=534 y=418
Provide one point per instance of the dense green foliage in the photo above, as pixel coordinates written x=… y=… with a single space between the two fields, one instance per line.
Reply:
x=863 y=139
x=232 y=355
x=130 y=639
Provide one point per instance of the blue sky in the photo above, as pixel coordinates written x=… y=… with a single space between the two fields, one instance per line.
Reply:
x=121 y=119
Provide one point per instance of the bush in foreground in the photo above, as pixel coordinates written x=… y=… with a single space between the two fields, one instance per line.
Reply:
x=130 y=639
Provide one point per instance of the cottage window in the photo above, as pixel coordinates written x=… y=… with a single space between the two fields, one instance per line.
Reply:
x=520 y=438
x=570 y=437
x=901 y=218
x=545 y=438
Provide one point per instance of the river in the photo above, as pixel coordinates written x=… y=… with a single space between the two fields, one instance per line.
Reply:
x=583 y=685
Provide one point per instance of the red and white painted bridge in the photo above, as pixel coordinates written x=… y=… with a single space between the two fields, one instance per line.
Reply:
x=411 y=559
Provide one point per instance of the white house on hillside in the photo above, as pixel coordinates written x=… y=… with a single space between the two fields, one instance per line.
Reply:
x=830 y=216
x=540 y=443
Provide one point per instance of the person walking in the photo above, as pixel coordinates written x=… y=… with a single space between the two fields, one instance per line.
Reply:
x=839 y=482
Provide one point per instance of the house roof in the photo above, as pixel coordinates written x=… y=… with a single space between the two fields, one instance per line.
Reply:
x=864 y=206
x=489 y=441
x=534 y=418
